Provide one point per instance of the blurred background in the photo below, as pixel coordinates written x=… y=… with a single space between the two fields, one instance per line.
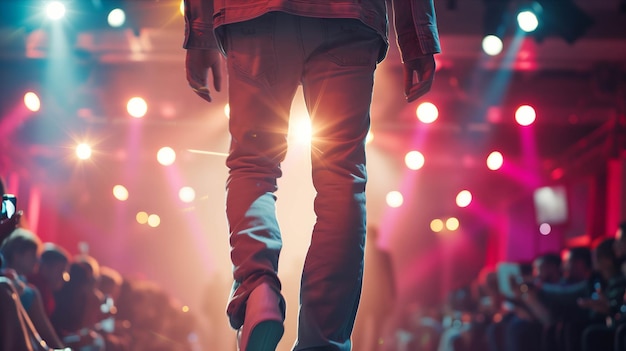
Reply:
x=518 y=150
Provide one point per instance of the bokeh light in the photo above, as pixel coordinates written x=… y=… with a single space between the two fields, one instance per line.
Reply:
x=166 y=156
x=394 y=199
x=464 y=198
x=137 y=107
x=436 y=225
x=83 y=151
x=32 y=102
x=492 y=45
x=187 y=194
x=142 y=217
x=527 y=21
x=414 y=160
x=120 y=192
x=452 y=224
x=427 y=112
x=525 y=115
x=545 y=229
x=116 y=18
x=495 y=160
x=154 y=220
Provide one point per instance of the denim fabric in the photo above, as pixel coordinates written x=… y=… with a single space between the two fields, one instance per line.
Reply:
x=334 y=60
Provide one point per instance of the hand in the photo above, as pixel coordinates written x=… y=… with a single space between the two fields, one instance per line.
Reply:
x=7 y=226
x=425 y=69
x=197 y=64
x=600 y=305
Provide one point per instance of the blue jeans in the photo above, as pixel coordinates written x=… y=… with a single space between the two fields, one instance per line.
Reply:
x=334 y=60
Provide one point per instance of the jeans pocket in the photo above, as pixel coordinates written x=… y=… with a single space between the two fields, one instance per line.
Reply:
x=349 y=42
x=250 y=48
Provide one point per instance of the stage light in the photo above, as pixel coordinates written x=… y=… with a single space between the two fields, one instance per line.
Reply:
x=166 y=156
x=301 y=130
x=142 y=217
x=527 y=21
x=32 y=102
x=427 y=112
x=436 y=225
x=83 y=151
x=120 y=192
x=452 y=224
x=137 y=107
x=116 y=18
x=525 y=115
x=464 y=198
x=55 y=10
x=154 y=220
x=187 y=194
x=495 y=160
x=394 y=199
x=369 y=138
x=545 y=229
x=414 y=160
x=492 y=45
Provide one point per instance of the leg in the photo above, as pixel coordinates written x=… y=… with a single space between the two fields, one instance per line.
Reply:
x=337 y=85
x=260 y=99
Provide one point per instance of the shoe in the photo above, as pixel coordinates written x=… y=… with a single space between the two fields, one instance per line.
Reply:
x=263 y=324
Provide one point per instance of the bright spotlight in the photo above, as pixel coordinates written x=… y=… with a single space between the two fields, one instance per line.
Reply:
x=414 y=160
x=83 y=151
x=142 y=217
x=464 y=198
x=525 y=115
x=187 y=194
x=301 y=130
x=495 y=161
x=55 y=10
x=527 y=21
x=166 y=156
x=116 y=18
x=545 y=229
x=427 y=112
x=137 y=107
x=32 y=102
x=394 y=199
x=154 y=220
x=452 y=224
x=120 y=192
x=492 y=45
x=369 y=138
x=436 y=225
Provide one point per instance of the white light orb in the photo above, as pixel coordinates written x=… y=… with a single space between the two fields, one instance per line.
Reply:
x=55 y=10
x=137 y=107
x=495 y=160
x=525 y=115
x=116 y=18
x=464 y=198
x=427 y=112
x=492 y=45
x=394 y=199
x=187 y=194
x=83 y=151
x=32 y=102
x=120 y=192
x=166 y=156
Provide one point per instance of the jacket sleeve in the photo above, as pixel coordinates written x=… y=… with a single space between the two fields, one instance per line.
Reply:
x=199 y=25
x=416 y=28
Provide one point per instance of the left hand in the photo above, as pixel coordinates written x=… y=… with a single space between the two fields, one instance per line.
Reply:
x=198 y=62
x=425 y=69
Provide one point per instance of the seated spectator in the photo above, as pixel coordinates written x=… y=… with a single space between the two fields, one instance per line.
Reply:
x=20 y=253
x=78 y=309
x=607 y=300
x=50 y=274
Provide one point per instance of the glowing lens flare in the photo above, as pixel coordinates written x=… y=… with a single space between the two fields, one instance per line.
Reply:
x=83 y=151
x=427 y=112
x=32 y=102
x=492 y=45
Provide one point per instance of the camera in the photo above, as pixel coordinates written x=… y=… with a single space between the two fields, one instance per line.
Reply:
x=9 y=206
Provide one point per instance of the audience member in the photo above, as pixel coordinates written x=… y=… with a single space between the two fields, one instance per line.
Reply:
x=50 y=274
x=20 y=250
